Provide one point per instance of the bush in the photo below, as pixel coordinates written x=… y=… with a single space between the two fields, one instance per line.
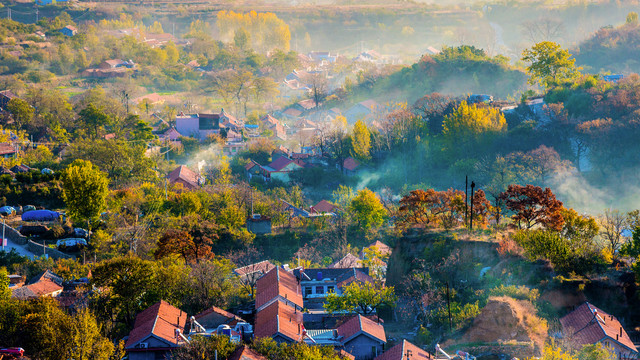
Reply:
x=516 y=292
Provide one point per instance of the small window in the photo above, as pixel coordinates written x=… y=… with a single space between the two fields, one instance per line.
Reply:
x=330 y=289
x=319 y=289
x=307 y=291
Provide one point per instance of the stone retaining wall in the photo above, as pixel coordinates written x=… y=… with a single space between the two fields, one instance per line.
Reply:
x=39 y=250
x=13 y=235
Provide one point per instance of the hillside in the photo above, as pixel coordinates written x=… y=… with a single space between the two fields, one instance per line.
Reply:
x=455 y=71
x=615 y=50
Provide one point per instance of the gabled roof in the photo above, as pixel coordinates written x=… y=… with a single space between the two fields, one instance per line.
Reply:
x=588 y=324
x=262 y=267
x=161 y=320
x=49 y=275
x=44 y=287
x=8 y=94
x=327 y=273
x=369 y=104
x=220 y=312
x=70 y=27
x=399 y=352
x=353 y=275
x=361 y=325
x=348 y=261
x=245 y=353
x=7 y=149
x=185 y=174
x=292 y=112
x=282 y=162
x=279 y=318
x=351 y=164
x=381 y=247
x=324 y=207
x=308 y=104
x=278 y=282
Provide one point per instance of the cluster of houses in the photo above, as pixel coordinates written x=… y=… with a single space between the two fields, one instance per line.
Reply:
x=69 y=294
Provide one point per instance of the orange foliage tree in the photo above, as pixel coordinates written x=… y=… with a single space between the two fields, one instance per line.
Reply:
x=533 y=206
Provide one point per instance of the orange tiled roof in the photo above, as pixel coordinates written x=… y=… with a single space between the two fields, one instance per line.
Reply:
x=348 y=261
x=278 y=282
x=160 y=319
x=588 y=324
x=262 y=266
x=399 y=352
x=185 y=174
x=351 y=164
x=383 y=248
x=44 y=287
x=219 y=311
x=279 y=318
x=245 y=353
x=324 y=207
x=360 y=324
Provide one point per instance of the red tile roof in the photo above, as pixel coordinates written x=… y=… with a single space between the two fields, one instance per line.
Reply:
x=307 y=104
x=185 y=174
x=381 y=247
x=360 y=324
x=324 y=207
x=245 y=353
x=588 y=324
x=351 y=164
x=221 y=312
x=279 y=318
x=160 y=319
x=292 y=112
x=399 y=352
x=282 y=162
x=262 y=266
x=278 y=282
x=7 y=149
x=44 y=287
x=348 y=261
x=357 y=275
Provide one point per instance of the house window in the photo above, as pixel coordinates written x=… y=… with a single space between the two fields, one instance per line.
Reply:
x=319 y=289
x=330 y=289
x=307 y=290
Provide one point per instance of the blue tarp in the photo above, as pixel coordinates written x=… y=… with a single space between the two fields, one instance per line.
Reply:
x=41 y=215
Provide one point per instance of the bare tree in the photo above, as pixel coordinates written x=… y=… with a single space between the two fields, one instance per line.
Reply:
x=612 y=223
x=319 y=86
x=542 y=29
x=251 y=268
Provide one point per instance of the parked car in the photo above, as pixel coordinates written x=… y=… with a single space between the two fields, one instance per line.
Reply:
x=7 y=211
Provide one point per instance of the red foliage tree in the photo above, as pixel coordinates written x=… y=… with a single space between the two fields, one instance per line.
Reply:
x=533 y=206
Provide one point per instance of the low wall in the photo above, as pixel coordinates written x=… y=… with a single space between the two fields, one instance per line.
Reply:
x=13 y=235
x=39 y=250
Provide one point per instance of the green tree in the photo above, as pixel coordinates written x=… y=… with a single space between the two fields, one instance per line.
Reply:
x=94 y=119
x=242 y=38
x=84 y=190
x=361 y=141
x=173 y=54
x=367 y=209
x=361 y=297
x=632 y=18
x=127 y=281
x=86 y=341
x=5 y=292
x=21 y=111
x=550 y=64
x=596 y=352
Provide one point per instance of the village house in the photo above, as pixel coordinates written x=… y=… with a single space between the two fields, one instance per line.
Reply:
x=278 y=169
x=7 y=150
x=588 y=324
x=405 y=350
x=156 y=332
x=275 y=126
x=116 y=63
x=318 y=283
x=362 y=337
x=214 y=317
x=279 y=307
x=250 y=274
x=245 y=353
x=350 y=166
x=47 y=284
x=185 y=176
x=200 y=126
x=69 y=30
x=5 y=97
x=363 y=110
x=323 y=207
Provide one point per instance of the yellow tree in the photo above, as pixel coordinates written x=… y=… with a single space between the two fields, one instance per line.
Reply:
x=550 y=64
x=361 y=141
x=465 y=128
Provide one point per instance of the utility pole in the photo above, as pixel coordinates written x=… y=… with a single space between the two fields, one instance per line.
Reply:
x=473 y=185
x=37 y=13
x=466 y=198
x=449 y=308
x=9 y=13
x=3 y=238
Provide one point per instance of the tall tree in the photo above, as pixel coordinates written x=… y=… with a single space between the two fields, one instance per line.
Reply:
x=84 y=190
x=21 y=111
x=533 y=206
x=361 y=297
x=550 y=64
x=94 y=119
x=367 y=209
x=361 y=141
